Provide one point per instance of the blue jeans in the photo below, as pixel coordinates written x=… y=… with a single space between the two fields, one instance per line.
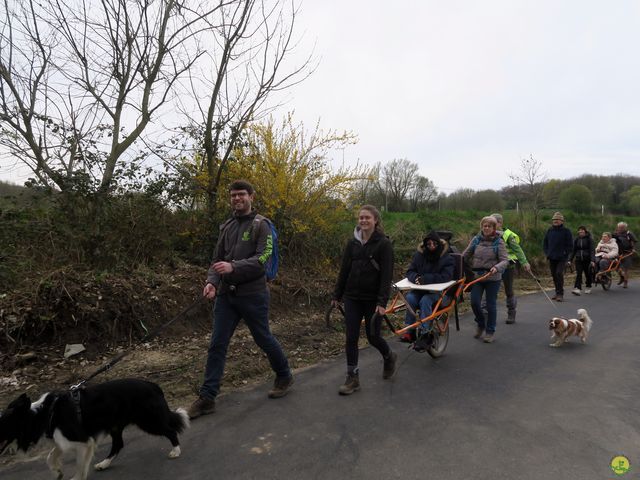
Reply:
x=227 y=312
x=490 y=290
x=507 y=279
x=419 y=299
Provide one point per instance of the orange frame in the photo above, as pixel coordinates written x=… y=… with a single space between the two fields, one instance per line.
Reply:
x=615 y=263
x=400 y=303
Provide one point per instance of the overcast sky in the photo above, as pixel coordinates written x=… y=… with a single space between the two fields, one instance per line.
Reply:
x=468 y=88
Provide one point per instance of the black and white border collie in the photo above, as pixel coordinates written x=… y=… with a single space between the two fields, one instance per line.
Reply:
x=96 y=411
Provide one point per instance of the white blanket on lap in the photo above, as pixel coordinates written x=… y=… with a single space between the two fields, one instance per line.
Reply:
x=405 y=284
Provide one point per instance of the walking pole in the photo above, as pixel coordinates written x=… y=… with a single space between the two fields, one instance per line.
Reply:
x=545 y=293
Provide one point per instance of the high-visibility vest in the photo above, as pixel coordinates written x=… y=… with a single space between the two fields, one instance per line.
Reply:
x=506 y=235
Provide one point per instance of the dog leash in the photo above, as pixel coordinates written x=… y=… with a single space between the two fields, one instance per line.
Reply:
x=146 y=338
x=541 y=288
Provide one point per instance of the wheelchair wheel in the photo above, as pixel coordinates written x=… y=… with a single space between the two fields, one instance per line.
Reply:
x=440 y=332
x=334 y=318
x=605 y=281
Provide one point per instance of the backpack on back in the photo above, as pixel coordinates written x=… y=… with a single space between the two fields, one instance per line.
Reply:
x=271 y=263
x=476 y=241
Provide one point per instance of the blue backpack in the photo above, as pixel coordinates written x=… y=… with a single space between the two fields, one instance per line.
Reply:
x=272 y=262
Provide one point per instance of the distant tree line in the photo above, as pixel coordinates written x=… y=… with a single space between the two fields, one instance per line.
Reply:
x=397 y=186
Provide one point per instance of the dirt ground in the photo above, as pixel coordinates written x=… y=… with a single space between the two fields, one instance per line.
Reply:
x=174 y=358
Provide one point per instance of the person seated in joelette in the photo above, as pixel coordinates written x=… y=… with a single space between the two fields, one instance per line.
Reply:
x=430 y=264
x=606 y=251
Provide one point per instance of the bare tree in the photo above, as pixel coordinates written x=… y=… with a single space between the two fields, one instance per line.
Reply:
x=81 y=80
x=365 y=190
x=248 y=44
x=531 y=181
x=422 y=192
x=396 y=179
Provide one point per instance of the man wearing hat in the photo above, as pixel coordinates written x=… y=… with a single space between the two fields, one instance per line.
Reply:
x=557 y=246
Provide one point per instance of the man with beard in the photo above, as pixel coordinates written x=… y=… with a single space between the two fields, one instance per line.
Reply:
x=237 y=282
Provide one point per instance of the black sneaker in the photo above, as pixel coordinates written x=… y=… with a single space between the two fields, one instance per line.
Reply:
x=281 y=386
x=202 y=406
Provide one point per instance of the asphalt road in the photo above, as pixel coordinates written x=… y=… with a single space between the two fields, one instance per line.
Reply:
x=515 y=409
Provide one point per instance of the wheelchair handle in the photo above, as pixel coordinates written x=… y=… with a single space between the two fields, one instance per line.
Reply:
x=466 y=287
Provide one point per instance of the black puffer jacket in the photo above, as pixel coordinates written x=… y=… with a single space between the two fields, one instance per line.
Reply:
x=583 y=248
x=366 y=270
x=437 y=268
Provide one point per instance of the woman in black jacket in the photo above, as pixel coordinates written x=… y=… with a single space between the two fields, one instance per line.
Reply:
x=584 y=255
x=363 y=284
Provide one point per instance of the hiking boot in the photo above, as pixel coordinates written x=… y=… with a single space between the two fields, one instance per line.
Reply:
x=202 y=406
x=559 y=298
x=511 y=318
x=351 y=384
x=576 y=291
x=479 y=332
x=281 y=386
x=488 y=338
x=389 y=365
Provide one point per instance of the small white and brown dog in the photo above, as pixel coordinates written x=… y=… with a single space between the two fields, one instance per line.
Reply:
x=563 y=328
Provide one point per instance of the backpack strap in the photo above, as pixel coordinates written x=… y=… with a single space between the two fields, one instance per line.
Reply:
x=375 y=252
x=476 y=241
x=372 y=255
x=256 y=222
x=496 y=245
